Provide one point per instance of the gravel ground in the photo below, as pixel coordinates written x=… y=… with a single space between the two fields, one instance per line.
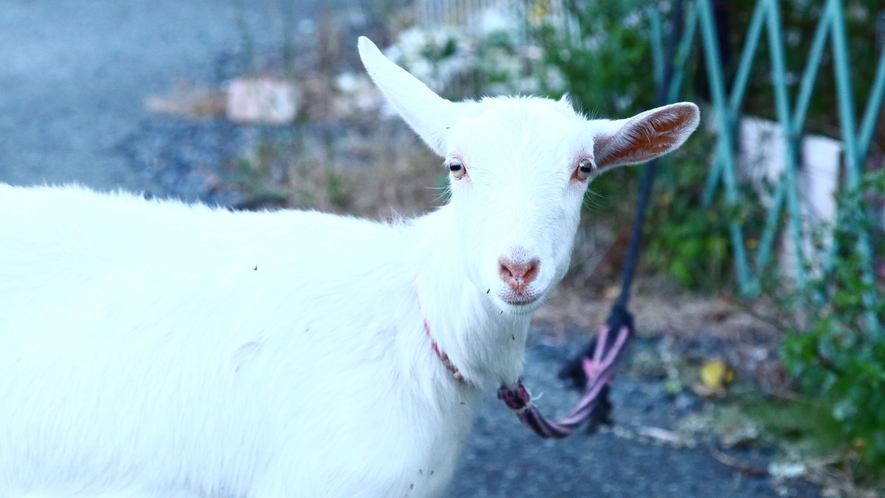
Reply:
x=73 y=78
x=503 y=459
x=74 y=75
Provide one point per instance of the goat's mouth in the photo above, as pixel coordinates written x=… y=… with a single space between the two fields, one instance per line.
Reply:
x=520 y=298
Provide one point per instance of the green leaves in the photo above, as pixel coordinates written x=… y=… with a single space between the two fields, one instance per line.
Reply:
x=608 y=61
x=837 y=357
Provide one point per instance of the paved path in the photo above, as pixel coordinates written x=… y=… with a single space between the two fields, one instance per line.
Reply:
x=74 y=75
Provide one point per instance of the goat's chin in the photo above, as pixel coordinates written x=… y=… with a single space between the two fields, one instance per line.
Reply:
x=519 y=305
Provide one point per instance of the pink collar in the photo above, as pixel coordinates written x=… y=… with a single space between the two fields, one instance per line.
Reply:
x=443 y=357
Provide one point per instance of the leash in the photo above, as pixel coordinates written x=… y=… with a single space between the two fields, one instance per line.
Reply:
x=592 y=370
x=594 y=402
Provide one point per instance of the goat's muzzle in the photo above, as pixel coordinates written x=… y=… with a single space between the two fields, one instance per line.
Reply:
x=518 y=274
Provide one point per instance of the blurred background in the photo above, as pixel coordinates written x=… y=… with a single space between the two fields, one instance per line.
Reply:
x=760 y=364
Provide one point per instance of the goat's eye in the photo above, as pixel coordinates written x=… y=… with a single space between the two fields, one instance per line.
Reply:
x=586 y=166
x=456 y=167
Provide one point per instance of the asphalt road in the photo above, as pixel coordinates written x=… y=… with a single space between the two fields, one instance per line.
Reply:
x=74 y=75
x=73 y=78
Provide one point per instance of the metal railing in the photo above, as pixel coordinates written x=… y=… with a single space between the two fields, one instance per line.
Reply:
x=792 y=115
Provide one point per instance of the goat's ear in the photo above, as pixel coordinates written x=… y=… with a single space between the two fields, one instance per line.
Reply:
x=426 y=112
x=645 y=136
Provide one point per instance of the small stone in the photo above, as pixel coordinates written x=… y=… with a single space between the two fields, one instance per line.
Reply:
x=262 y=100
x=741 y=436
x=787 y=470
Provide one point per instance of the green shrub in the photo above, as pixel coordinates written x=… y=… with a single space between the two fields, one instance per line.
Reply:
x=683 y=238
x=607 y=59
x=837 y=355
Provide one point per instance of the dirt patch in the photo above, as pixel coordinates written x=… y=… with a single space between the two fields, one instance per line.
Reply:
x=694 y=328
x=682 y=315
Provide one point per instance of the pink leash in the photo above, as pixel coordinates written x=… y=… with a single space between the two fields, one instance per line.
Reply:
x=597 y=370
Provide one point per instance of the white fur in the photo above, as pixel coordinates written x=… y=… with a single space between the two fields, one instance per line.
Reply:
x=157 y=349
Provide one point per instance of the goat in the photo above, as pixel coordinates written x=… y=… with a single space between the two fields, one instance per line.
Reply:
x=152 y=348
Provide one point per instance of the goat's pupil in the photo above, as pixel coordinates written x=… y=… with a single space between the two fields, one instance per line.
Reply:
x=455 y=167
x=585 y=169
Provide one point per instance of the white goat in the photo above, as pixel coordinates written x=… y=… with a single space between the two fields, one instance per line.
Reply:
x=157 y=349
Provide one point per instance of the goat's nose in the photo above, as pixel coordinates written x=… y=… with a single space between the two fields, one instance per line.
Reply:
x=518 y=274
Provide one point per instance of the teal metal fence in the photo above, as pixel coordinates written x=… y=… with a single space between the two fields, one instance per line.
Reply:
x=792 y=113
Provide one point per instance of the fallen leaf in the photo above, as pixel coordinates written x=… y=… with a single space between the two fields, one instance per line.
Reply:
x=714 y=374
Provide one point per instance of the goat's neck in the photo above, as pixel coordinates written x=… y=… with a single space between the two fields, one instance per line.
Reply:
x=486 y=345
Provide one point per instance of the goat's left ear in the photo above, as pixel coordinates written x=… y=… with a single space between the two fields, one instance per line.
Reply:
x=645 y=136
x=428 y=114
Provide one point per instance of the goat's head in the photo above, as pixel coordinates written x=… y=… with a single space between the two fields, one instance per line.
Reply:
x=519 y=167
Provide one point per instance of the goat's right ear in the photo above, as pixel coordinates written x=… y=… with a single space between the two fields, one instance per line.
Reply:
x=645 y=136
x=427 y=113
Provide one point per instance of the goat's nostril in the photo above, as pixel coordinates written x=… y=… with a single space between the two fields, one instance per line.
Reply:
x=518 y=274
x=505 y=271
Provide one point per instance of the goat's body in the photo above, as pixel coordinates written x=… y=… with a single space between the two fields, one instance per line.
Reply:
x=158 y=349
x=153 y=349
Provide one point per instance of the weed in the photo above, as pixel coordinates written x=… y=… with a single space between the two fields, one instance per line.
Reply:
x=837 y=355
